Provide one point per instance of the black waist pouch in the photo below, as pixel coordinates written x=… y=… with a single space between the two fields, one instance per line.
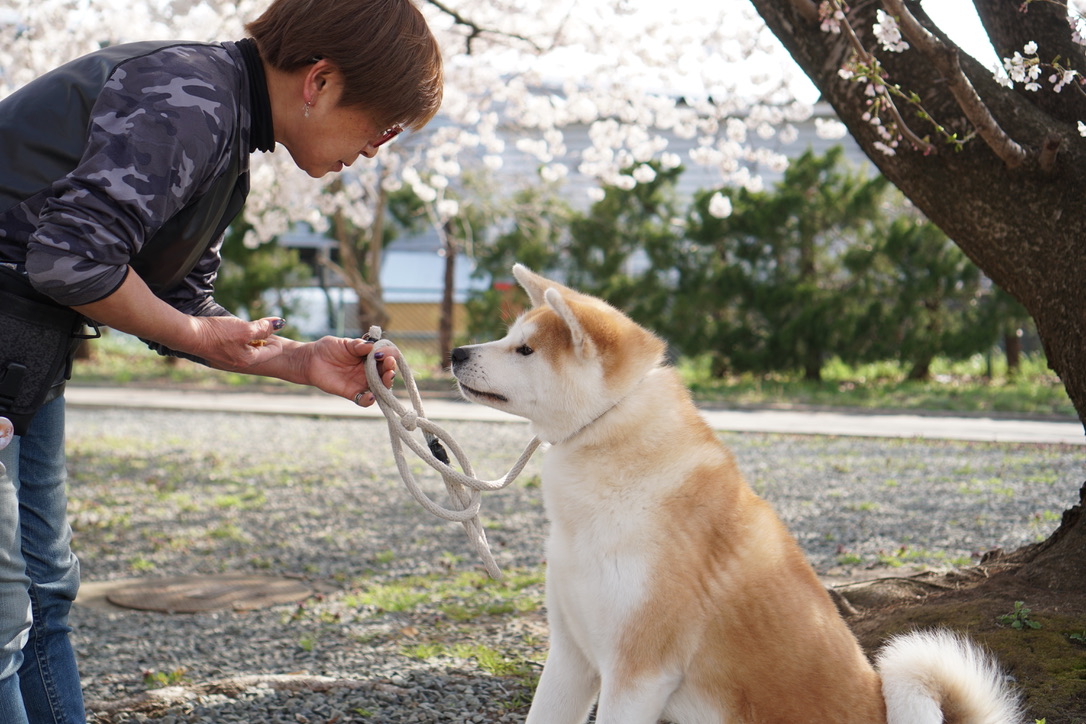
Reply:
x=37 y=340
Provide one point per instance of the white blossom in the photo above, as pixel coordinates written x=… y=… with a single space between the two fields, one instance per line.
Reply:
x=831 y=17
x=644 y=174
x=1061 y=79
x=448 y=208
x=888 y=33
x=553 y=172
x=884 y=148
x=830 y=129
x=1078 y=29
x=669 y=161
x=720 y=206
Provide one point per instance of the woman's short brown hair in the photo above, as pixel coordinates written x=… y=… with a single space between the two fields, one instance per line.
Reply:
x=390 y=61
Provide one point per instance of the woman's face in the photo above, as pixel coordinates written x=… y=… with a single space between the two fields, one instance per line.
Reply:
x=334 y=137
x=328 y=137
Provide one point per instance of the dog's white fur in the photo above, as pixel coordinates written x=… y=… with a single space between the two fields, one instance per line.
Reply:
x=673 y=591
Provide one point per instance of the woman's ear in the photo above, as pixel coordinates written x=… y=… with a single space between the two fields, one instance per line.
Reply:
x=320 y=78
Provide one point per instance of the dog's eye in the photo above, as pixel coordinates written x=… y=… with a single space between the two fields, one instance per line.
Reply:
x=524 y=350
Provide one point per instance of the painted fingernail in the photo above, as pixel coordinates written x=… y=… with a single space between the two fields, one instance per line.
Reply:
x=378 y=356
x=278 y=324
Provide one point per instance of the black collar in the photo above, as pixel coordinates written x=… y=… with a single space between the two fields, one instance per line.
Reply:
x=261 y=135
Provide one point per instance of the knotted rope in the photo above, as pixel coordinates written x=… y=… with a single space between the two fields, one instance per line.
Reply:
x=465 y=490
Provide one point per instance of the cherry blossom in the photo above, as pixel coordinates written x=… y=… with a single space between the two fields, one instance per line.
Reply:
x=720 y=206
x=888 y=33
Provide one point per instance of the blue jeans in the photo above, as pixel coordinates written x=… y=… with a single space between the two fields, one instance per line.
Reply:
x=39 y=577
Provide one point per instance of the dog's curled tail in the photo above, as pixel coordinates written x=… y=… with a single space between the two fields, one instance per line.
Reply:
x=936 y=676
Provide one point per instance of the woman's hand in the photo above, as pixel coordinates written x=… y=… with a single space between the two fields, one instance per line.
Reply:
x=232 y=344
x=338 y=366
x=226 y=343
x=333 y=364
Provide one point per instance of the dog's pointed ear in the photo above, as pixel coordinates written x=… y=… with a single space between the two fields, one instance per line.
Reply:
x=582 y=343
x=532 y=283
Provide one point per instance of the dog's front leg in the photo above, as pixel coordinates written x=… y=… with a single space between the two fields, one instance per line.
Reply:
x=635 y=701
x=567 y=688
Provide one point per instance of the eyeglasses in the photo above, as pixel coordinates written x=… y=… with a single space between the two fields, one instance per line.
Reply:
x=386 y=136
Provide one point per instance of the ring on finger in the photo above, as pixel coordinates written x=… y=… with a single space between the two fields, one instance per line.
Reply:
x=358 y=398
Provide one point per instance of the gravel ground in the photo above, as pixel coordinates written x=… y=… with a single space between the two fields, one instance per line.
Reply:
x=403 y=627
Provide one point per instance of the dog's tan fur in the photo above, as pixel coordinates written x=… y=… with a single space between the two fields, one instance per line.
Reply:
x=673 y=591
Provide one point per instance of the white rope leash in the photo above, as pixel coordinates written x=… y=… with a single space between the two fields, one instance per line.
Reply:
x=465 y=490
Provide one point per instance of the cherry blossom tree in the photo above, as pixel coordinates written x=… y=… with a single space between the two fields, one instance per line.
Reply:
x=996 y=159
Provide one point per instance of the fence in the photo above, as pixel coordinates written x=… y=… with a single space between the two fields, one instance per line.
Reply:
x=414 y=316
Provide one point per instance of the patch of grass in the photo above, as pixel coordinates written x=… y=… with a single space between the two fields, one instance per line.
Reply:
x=154 y=679
x=250 y=499
x=955 y=387
x=488 y=659
x=392 y=597
x=465 y=597
x=228 y=532
x=849 y=559
x=917 y=556
x=425 y=651
x=493 y=661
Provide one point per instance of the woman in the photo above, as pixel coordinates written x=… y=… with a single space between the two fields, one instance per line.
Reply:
x=118 y=174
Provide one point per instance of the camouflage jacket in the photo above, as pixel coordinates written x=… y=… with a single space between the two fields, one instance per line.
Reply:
x=136 y=155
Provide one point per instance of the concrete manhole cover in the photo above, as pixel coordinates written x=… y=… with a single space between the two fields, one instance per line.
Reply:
x=196 y=594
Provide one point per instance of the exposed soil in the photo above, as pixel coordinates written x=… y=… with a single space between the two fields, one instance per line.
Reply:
x=1045 y=655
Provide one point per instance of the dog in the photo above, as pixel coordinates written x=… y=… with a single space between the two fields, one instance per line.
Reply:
x=673 y=592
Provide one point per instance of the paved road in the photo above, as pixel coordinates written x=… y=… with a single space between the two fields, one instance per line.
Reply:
x=985 y=429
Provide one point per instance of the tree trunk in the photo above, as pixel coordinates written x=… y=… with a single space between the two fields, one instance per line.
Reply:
x=1012 y=348
x=1057 y=560
x=1020 y=224
x=363 y=275
x=448 y=291
x=920 y=371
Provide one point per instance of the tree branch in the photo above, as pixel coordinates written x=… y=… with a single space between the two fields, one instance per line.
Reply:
x=474 y=29
x=902 y=127
x=945 y=59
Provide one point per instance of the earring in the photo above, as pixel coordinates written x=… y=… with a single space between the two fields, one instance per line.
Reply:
x=306 y=109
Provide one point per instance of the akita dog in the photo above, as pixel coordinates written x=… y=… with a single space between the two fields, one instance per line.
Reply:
x=674 y=592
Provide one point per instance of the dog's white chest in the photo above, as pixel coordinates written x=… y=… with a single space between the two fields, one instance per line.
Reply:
x=598 y=557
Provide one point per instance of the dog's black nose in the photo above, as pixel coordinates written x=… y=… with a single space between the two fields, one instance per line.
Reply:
x=459 y=355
